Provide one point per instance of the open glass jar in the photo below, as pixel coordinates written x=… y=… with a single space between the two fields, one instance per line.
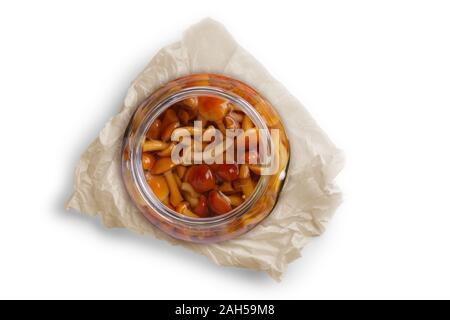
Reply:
x=204 y=158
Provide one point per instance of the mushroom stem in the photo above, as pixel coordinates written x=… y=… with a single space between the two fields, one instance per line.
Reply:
x=189 y=189
x=183 y=209
x=167 y=151
x=183 y=131
x=154 y=145
x=244 y=172
x=235 y=200
x=226 y=187
x=175 y=195
x=247 y=187
x=180 y=171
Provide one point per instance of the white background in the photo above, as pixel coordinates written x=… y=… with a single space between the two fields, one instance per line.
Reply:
x=374 y=74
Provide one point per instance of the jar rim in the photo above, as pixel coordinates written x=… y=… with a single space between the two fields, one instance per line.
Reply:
x=139 y=174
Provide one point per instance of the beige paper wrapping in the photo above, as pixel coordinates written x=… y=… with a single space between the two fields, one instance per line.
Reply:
x=308 y=199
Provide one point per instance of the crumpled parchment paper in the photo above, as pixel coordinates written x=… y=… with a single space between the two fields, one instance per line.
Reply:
x=308 y=199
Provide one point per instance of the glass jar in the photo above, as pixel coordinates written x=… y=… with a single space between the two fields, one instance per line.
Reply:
x=184 y=223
